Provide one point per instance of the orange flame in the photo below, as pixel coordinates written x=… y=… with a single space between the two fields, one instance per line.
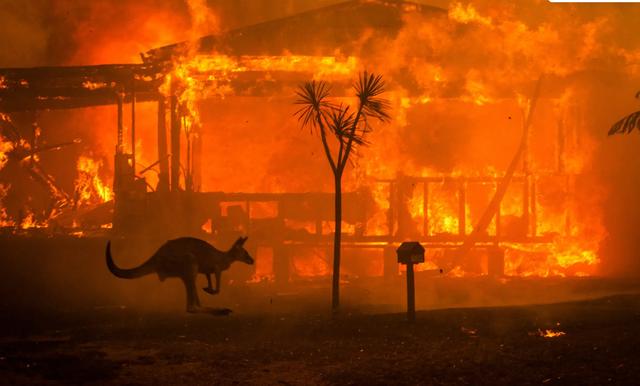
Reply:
x=89 y=187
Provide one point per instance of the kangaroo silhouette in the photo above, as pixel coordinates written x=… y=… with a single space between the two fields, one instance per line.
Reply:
x=184 y=258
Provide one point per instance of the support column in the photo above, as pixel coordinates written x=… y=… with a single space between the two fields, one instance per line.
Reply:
x=133 y=127
x=196 y=160
x=120 y=142
x=118 y=157
x=163 y=156
x=175 y=145
x=411 y=294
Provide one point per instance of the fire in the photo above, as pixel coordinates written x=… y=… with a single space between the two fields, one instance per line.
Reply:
x=93 y=85
x=200 y=77
x=89 y=187
x=30 y=222
x=459 y=85
x=5 y=148
x=5 y=221
x=550 y=333
x=466 y=15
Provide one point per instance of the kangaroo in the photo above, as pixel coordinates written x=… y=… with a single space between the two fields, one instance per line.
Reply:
x=184 y=258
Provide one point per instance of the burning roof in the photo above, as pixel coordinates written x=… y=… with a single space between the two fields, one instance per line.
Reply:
x=328 y=31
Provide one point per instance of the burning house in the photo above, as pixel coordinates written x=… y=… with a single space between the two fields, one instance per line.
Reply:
x=485 y=162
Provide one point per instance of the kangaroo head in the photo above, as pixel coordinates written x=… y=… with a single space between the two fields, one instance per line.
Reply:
x=239 y=253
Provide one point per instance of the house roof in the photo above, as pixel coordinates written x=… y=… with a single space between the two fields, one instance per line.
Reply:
x=323 y=31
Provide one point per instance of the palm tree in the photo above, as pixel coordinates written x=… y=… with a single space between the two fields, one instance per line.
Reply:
x=628 y=123
x=348 y=127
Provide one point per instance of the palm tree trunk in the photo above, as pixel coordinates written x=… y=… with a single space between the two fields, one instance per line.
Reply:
x=335 y=291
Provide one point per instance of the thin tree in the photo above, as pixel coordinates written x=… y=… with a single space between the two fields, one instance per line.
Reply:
x=342 y=129
x=628 y=123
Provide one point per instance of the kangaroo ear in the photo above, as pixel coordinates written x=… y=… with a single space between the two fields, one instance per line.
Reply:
x=243 y=240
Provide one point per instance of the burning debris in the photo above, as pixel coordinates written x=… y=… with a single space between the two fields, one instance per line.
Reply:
x=549 y=333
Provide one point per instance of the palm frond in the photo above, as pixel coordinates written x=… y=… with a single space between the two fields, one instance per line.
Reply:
x=626 y=124
x=368 y=88
x=313 y=98
x=341 y=122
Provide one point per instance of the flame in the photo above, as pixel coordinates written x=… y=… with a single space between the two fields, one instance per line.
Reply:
x=550 y=333
x=5 y=221
x=89 y=187
x=467 y=14
x=30 y=222
x=5 y=148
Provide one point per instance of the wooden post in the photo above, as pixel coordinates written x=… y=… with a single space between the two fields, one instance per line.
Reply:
x=120 y=143
x=196 y=159
x=175 y=145
x=411 y=294
x=133 y=127
x=163 y=156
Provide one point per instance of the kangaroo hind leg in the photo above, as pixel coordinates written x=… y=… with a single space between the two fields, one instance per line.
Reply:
x=189 y=280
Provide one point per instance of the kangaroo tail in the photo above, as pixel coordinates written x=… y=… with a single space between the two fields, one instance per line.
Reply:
x=144 y=269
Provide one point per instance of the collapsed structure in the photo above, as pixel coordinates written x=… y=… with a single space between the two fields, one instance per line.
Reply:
x=290 y=231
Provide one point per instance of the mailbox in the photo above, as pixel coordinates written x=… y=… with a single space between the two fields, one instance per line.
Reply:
x=410 y=252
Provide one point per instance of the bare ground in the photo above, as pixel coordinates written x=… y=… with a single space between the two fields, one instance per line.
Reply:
x=476 y=346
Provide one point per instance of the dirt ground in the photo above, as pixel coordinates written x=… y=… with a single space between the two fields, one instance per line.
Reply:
x=476 y=346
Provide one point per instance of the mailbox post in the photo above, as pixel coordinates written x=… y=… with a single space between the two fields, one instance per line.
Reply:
x=410 y=253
